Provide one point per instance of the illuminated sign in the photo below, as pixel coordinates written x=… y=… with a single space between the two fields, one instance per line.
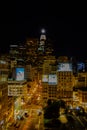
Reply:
x=2 y=62
x=44 y=78
x=19 y=74
x=80 y=66
x=64 y=67
x=52 y=80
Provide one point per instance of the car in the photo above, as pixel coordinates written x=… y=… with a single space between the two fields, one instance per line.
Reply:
x=11 y=124
x=17 y=125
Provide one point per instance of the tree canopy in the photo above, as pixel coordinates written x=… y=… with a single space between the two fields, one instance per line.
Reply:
x=52 y=108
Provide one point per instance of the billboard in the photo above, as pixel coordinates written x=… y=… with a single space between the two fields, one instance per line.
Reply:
x=44 y=78
x=19 y=74
x=80 y=66
x=64 y=67
x=52 y=79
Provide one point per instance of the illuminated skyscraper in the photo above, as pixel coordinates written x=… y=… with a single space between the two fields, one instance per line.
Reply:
x=65 y=80
x=42 y=41
x=49 y=79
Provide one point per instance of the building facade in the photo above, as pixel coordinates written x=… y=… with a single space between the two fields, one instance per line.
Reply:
x=3 y=104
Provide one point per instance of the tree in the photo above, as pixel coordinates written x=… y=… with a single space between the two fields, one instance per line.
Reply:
x=51 y=110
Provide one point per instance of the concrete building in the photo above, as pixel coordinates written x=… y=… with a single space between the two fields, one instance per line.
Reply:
x=31 y=50
x=10 y=109
x=41 y=47
x=3 y=104
x=49 y=64
x=49 y=79
x=82 y=95
x=6 y=102
x=4 y=70
x=17 y=88
x=13 y=52
x=65 y=86
x=82 y=79
x=28 y=73
x=65 y=80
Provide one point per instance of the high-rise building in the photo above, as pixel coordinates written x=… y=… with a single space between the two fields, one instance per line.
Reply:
x=49 y=79
x=81 y=80
x=45 y=46
x=3 y=104
x=6 y=103
x=65 y=80
x=49 y=63
x=4 y=70
x=10 y=109
x=31 y=51
x=17 y=90
x=13 y=52
x=41 y=47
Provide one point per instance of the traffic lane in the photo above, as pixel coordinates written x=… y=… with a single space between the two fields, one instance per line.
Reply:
x=66 y=126
x=74 y=123
x=84 y=121
x=31 y=125
x=26 y=123
x=22 y=123
x=34 y=122
x=14 y=125
x=25 y=126
x=31 y=122
x=67 y=122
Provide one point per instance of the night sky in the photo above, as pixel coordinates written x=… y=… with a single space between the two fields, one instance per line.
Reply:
x=68 y=33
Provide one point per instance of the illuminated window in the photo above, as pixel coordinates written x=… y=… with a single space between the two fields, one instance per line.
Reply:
x=0 y=93
x=0 y=107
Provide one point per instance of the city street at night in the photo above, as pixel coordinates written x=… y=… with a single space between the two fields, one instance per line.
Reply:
x=43 y=70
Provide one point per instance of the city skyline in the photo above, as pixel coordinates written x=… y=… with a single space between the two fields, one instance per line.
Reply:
x=67 y=33
x=37 y=89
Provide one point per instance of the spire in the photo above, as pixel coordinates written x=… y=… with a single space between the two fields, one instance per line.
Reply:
x=43 y=35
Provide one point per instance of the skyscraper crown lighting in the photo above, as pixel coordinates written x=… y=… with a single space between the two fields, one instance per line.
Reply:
x=43 y=30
